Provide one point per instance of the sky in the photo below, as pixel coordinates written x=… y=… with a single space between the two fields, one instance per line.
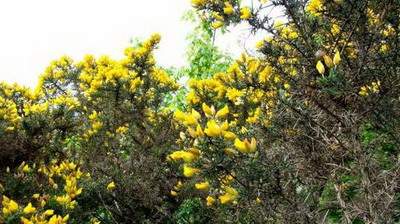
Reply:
x=33 y=33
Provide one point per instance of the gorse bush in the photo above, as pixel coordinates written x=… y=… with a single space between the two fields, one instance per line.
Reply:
x=303 y=130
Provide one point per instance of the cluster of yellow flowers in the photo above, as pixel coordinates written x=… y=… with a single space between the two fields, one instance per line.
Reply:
x=18 y=103
x=96 y=125
x=329 y=63
x=106 y=74
x=30 y=214
x=246 y=94
x=315 y=7
x=223 y=12
x=37 y=211
x=366 y=90
x=200 y=128
x=9 y=117
x=12 y=100
x=134 y=79
x=249 y=85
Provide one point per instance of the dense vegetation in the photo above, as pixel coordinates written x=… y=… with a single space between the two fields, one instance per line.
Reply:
x=305 y=129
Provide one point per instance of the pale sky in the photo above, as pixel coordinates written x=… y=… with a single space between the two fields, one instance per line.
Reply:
x=34 y=32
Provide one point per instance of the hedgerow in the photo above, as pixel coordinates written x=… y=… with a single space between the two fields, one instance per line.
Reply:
x=303 y=129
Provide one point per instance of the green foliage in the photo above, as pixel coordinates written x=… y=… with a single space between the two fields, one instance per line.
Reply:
x=204 y=59
x=191 y=211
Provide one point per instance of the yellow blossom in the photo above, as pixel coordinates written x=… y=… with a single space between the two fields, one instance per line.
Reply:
x=336 y=58
x=245 y=13
x=320 y=67
x=246 y=146
x=189 y=171
x=203 y=186
x=210 y=200
x=173 y=193
x=233 y=94
x=57 y=219
x=328 y=61
x=229 y=135
x=228 y=9
x=199 y=2
x=111 y=186
x=223 y=112
x=335 y=30
x=35 y=196
x=29 y=209
x=186 y=156
x=26 y=169
x=48 y=212
x=217 y=24
x=26 y=221
x=315 y=7
x=229 y=196
x=208 y=111
x=213 y=129
x=384 y=48
x=9 y=206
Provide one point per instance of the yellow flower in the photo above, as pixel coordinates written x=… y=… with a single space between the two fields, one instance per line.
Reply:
x=320 y=67
x=210 y=200
x=186 y=156
x=111 y=186
x=213 y=129
x=192 y=98
x=56 y=219
x=121 y=130
x=246 y=146
x=228 y=9
x=260 y=44
x=26 y=221
x=10 y=205
x=208 y=111
x=315 y=7
x=217 y=24
x=196 y=133
x=189 y=171
x=199 y=2
x=328 y=61
x=29 y=209
x=223 y=112
x=187 y=119
x=229 y=196
x=245 y=13
x=384 y=48
x=335 y=30
x=35 y=196
x=48 y=212
x=203 y=186
x=26 y=169
x=336 y=58
x=229 y=135
x=173 y=193
x=233 y=94
x=375 y=86
x=265 y=74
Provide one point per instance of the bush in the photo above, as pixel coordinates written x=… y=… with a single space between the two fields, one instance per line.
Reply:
x=303 y=130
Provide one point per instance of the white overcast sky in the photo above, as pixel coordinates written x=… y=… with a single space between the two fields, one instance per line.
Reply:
x=34 y=32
